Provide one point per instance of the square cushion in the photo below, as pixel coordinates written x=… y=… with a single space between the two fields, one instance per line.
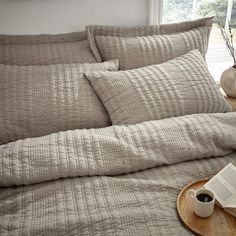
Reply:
x=136 y=47
x=45 y=49
x=178 y=87
x=39 y=100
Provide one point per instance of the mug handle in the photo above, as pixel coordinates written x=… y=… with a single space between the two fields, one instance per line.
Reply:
x=191 y=193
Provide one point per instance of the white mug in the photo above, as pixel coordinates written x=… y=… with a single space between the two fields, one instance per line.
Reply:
x=201 y=208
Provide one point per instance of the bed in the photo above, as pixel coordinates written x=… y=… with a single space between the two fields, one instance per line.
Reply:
x=86 y=149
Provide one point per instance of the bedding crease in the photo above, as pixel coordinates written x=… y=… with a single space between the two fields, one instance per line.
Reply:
x=117 y=150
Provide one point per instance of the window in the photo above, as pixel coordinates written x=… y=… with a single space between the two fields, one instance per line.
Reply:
x=218 y=58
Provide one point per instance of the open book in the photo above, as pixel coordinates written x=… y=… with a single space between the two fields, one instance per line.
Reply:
x=223 y=185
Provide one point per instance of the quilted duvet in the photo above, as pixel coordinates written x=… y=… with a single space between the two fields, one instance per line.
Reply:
x=119 y=180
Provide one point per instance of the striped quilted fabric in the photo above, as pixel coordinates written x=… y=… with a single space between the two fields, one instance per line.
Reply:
x=118 y=149
x=138 y=204
x=136 y=47
x=101 y=199
x=178 y=87
x=39 y=100
x=45 y=49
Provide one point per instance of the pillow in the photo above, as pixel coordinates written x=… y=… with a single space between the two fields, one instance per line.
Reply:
x=136 y=47
x=178 y=87
x=39 y=100
x=45 y=49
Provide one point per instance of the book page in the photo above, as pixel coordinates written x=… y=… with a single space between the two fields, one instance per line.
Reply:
x=232 y=202
x=229 y=175
x=222 y=193
x=223 y=185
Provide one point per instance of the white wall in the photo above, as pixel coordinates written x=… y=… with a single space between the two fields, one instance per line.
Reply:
x=58 y=16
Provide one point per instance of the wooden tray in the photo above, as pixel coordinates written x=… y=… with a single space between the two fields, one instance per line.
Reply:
x=219 y=223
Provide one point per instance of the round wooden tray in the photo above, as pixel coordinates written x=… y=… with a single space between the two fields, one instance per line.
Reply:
x=219 y=223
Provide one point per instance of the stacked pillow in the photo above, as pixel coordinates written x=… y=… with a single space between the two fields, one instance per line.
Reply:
x=181 y=86
x=44 y=88
x=39 y=100
x=178 y=87
x=45 y=49
x=136 y=47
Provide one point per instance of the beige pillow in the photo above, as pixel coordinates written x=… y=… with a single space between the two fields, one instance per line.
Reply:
x=45 y=49
x=39 y=100
x=178 y=87
x=136 y=47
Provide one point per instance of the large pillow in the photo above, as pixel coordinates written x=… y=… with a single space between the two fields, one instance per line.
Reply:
x=39 y=100
x=178 y=87
x=45 y=49
x=136 y=47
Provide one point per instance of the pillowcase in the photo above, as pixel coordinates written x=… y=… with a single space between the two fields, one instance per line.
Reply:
x=178 y=87
x=136 y=47
x=45 y=49
x=39 y=100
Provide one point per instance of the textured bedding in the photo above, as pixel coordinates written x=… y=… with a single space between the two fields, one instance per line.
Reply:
x=39 y=100
x=45 y=49
x=178 y=87
x=126 y=179
x=146 y=45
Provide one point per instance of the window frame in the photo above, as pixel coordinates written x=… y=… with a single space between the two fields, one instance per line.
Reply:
x=155 y=12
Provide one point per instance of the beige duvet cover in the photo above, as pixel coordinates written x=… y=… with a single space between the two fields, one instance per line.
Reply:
x=120 y=180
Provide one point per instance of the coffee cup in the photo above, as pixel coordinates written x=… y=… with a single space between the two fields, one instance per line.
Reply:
x=203 y=202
